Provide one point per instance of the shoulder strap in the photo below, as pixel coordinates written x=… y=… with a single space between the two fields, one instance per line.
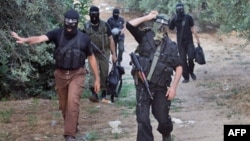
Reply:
x=150 y=39
x=182 y=28
x=79 y=33
x=103 y=29
x=72 y=41
x=154 y=62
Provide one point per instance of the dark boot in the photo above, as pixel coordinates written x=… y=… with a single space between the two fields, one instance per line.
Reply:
x=94 y=96
x=104 y=93
x=166 y=137
x=112 y=98
x=193 y=76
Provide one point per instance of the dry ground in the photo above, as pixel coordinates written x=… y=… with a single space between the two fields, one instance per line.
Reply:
x=219 y=96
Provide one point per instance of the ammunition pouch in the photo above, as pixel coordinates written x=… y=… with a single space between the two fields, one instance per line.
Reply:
x=162 y=75
x=70 y=59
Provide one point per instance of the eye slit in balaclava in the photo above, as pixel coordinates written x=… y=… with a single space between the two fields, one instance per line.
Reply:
x=94 y=15
x=116 y=13
x=71 y=19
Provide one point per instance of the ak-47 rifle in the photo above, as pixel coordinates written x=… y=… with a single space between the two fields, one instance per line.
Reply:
x=142 y=76
x=97 y=49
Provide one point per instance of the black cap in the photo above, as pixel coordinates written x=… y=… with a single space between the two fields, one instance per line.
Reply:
x=93 y=9
x=179 y=6
x=71 y=14
x=116 y=11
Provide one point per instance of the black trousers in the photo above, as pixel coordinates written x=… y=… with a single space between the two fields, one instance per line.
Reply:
x=187 y=54
x=160 y=109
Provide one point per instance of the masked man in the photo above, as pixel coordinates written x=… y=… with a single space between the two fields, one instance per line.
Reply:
x=184 y=24
x=158 y=57
x=101 y=36
x=116 y=23
x=72 y=47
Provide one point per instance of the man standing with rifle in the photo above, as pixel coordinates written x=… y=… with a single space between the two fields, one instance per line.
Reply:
x=157 y=57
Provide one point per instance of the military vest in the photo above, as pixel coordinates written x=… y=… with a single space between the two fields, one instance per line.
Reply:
x=166 y=58
x=68 y=55
x=100 y=37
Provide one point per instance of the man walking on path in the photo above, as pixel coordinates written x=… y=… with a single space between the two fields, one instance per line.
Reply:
x=116 y=23
x=72 y=48
x=100 y=34
x=157 y=57
x=184 y=24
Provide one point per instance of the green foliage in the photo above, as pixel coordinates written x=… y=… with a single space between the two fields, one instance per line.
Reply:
x=232 y=16
x=226 y=15
x=5 y=116
x=127 y=96
x=167 y=7
x=92 y=136
x=82 y=7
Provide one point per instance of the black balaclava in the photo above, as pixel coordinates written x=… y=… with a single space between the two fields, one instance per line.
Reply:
x=180 y=11
x=94 y=15
x=116 y=13
x=71 y=19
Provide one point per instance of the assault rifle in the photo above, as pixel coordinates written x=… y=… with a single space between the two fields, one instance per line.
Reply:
x=98 y=50
x=140 y=72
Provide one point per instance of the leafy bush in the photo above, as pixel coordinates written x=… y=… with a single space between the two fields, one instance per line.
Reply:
x=227 y=16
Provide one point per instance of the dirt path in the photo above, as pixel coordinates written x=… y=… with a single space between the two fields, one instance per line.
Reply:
x=219 y=96
x=216 y=98
x=202 y=107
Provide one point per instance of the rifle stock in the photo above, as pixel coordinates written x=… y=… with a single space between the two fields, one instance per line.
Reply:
x=141 y=72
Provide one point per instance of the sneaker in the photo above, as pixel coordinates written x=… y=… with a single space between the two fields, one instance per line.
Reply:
x=193 y=76
x=94 y=98
x=185 y=81
x=104 y=100
x=70 y=138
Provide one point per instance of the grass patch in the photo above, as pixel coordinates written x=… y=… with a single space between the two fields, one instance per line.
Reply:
x=92 y=136
x=127 y=97
x=93 y=110
x=86 y=93
x=126 y=113
x=175 y=106
x=5 y=116
x=32 y=120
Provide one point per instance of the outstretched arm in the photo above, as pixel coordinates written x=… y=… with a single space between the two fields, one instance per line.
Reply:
x=29 y=40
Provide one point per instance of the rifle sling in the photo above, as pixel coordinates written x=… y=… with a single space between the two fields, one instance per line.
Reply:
x=154 y=62
x=182 y=29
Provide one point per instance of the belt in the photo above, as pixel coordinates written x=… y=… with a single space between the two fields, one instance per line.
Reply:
x=68 y=71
